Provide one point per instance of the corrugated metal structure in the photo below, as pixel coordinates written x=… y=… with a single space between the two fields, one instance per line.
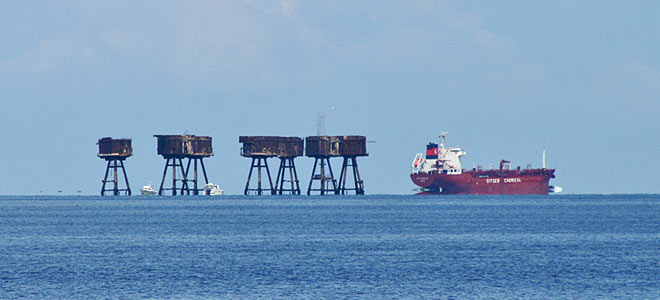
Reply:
x=352 y=145
x=322 y=146
x=110 y=148
x=260 y=148
x=187 y=146
x=271 y=146
x=115 y=151
x=175 y=149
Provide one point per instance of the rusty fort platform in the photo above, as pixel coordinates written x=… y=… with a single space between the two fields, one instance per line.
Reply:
x=183 y=155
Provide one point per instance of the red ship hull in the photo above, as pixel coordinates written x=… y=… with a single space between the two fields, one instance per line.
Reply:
x=488 y=182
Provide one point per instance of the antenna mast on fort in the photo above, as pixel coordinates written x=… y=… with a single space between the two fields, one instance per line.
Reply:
x=320 y=122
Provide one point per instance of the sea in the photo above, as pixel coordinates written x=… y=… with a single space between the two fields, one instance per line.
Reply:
x=330 y=247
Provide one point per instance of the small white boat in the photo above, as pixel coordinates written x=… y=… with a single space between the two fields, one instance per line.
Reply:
x=148 y=190
x=211 y=189
x=555 y=189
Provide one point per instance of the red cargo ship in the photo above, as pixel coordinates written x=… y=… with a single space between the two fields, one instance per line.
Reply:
x=440 y=171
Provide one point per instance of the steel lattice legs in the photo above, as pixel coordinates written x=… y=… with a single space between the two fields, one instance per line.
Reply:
x=195 y=187
x=185 y=189
x=114 y=166
x=358 y=184
x=260 y=164
x=286 y=163
x=174 y=163
x=324 y=180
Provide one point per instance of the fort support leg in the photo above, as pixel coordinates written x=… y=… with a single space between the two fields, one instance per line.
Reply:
x=206 y=179
x=359 y=184
x=105 y=179
x=286 y=163
x=270 y=181
x=114 y=166
x=162 y=182
x=327 y=183
x=295 y=177
x=323 y=184
x=279 y=180
x=195 y=188
x=184 y=177
x=311 y=179
x=262 y=163
x=174 y=176
x=259 y=176
x=128 y=186
x=195 y=178
x=174 y=163
x=247 y=185
x=115 y=181
x=342 y=176
x=332 y=178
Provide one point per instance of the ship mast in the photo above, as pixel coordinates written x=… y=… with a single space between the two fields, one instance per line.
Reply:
x=443 y=135
x=543 y=158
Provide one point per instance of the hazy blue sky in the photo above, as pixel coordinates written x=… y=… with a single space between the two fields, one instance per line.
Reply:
x=506 y=79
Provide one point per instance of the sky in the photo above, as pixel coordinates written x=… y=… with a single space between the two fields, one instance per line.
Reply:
x=505 y=79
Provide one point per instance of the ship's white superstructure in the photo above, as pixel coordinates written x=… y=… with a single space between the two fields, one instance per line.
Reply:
x=439 y=160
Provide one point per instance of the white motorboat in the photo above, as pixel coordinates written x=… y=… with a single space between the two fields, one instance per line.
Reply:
x=148 y=190
x=211 y=189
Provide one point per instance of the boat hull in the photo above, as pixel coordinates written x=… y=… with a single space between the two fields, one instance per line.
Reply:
x=535 y=181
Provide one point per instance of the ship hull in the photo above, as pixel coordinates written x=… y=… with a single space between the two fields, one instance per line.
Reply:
x=535 y=181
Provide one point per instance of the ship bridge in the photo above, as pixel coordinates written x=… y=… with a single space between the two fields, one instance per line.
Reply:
x=439 y=159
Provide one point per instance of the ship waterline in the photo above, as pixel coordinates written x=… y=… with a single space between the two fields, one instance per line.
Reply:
x=474 y=182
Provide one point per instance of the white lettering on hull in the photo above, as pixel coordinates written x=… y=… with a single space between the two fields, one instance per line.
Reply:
x=506 y=180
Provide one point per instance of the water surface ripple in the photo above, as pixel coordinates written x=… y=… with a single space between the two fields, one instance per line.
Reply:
x=386 y=247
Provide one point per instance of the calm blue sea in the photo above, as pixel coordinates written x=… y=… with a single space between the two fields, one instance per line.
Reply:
x=383 y=247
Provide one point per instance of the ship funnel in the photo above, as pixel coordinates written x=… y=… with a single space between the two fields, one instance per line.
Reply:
x=432 y=151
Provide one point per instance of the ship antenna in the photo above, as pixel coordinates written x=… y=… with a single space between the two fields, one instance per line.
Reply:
x=443 y=135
